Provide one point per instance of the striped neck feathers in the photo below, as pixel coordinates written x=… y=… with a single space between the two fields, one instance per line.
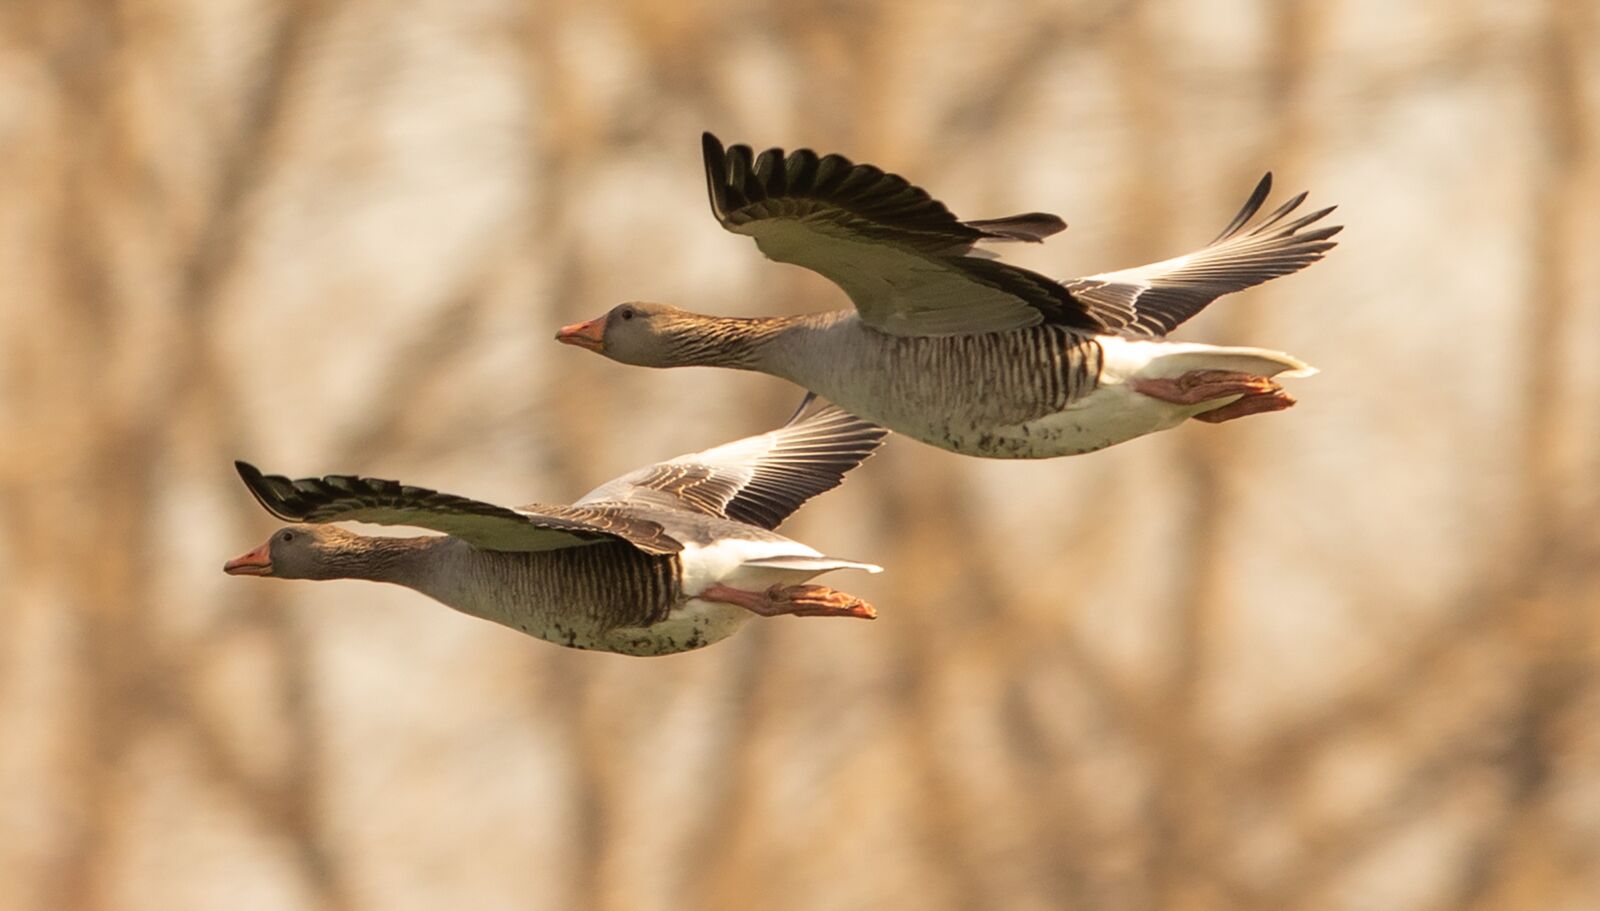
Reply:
x=402 y=561
x=748 y=343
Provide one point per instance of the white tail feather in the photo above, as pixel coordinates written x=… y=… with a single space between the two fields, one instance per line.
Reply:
x=810 y=564
x=1176 y=359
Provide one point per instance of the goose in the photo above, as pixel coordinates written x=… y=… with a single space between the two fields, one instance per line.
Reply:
x=950 y=346
x=668 y=558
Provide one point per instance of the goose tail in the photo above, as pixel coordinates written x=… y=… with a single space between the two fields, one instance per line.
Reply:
x=1257 y=361
x=818 y=564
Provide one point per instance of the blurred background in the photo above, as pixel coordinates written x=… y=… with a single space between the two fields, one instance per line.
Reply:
x=1343 y=657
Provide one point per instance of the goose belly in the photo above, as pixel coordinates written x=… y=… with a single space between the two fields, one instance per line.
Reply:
x=999 y=395
x=692 y=624
x=602 y=597
x=1109 y=415
x=612 y=598
x=1033 y=393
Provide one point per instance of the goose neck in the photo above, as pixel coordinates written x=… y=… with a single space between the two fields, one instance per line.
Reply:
x=401 y=561
x=763 y=344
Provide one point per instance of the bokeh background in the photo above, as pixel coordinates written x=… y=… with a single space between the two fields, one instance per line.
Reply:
x=1343 y=657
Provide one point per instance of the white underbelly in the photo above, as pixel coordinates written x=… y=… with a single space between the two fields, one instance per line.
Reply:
x=1110 y=415
x=692 y=624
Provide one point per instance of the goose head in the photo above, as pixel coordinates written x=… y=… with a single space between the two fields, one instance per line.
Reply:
x=302 y=552
x=642 y=334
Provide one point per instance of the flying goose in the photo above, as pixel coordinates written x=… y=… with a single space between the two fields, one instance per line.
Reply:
x=950 y=346
x=670 y=557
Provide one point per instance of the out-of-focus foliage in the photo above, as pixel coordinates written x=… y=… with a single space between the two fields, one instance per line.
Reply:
x=1340 y=657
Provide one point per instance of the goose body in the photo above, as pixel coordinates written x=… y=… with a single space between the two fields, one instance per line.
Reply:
x=951 y=347
x=612 y=597
x=1037 y=392
x=642 y=565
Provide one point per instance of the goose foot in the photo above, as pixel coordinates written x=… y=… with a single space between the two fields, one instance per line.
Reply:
x=797 y=600
x=1256 y=403
x=1258 y=394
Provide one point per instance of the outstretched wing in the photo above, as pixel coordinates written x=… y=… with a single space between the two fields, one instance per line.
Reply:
x=910 y=266
x=759 y=480
x=346 y=498
x=906 y=262
x=1153 y=300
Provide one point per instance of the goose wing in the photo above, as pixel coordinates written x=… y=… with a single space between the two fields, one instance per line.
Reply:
x=906 y=262
x=759 y=480
x=910 y=266
x=347 y=498
x=1152 y=300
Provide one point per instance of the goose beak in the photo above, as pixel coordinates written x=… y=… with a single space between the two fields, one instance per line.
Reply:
x=257 y=562
x=591 y=335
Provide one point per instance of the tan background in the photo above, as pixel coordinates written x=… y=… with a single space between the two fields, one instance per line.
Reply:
x=1343 y=657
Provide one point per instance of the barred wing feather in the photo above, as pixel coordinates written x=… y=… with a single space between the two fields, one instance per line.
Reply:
x=759 y=480
x=1152 y=300
x=347 y=498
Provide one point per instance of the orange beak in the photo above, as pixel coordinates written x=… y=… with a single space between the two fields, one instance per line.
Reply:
x=257 y=562
x=591 y=335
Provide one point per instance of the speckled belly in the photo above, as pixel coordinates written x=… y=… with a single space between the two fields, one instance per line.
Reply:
x=692 y=624
x=1110 y=415
x=604 y=597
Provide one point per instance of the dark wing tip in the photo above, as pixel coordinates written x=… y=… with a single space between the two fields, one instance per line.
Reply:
x=265 y=488
x=255 y=482
x=716 y=161
x=711 y=147
x=805 y=403
x=1258 y=196
x=1029 y=227
x=739 y=181
x=1047 y=222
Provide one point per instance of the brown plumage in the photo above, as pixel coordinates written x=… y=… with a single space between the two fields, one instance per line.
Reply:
x=670 y=557
x=950 y=346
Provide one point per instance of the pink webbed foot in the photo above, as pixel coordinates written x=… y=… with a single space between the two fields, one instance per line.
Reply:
x=797 y=600
x=1255 y=403
x=1258 y=394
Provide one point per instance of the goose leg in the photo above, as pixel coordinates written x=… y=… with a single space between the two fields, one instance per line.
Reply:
x=1258 y=394
x=799 y=600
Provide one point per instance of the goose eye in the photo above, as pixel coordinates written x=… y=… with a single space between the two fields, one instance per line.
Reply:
x=286 y=537
x=626 y=313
